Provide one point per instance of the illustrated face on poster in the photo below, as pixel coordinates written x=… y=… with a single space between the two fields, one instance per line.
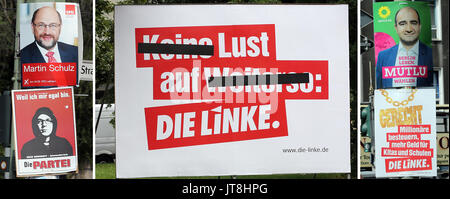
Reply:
x=45 y=131
x=45 y=142
x=49 y=44
x=188 y=103
x=402 y=45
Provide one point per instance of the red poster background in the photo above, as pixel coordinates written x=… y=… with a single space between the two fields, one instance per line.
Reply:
x=152 y=113
x=265 y=61
x=49 y=78
x=316 y=68
x=210 y=32
x=62 y=108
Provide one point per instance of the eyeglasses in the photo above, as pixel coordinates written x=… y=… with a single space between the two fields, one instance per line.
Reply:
x=42 y=26
x=46 y=122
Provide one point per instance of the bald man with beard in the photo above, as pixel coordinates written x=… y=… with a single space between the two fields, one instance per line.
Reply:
x=408 y=27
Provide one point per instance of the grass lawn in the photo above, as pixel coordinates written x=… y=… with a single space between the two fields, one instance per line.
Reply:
x=105 y=171
x=108 y=171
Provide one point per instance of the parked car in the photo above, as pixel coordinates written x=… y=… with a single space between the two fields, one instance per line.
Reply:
x=105 y=135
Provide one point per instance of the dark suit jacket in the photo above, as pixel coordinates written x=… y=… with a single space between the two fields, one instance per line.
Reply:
x=388 y=57
x=31 y=53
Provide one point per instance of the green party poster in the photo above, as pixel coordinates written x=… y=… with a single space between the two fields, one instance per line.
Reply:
x=402 y=35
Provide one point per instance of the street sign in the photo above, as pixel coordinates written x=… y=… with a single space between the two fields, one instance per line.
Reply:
x=86 y=71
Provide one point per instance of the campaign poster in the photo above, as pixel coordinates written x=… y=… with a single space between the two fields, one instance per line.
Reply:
x=50 y=44
x=402 y=37
x=231 y=91
x=405 y=132
x=45 y=131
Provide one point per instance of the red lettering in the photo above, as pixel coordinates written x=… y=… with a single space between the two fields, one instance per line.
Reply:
x=57 y=163
x=178 y=126
x=64 y=163
x=43 y=165
x=35 y=164
x=51 y=164
x=405 y=71
x=48 y=164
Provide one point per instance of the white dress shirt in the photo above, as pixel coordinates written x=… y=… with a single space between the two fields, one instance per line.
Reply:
x=55 y=55
x=406 y=58
x=413 y=52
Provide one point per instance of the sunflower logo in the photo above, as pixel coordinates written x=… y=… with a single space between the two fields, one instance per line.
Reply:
x=384 y=12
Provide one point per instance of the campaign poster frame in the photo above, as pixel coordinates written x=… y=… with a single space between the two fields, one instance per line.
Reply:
x=36 y=72
x=408 y=69
x=308 y=132
x=45 y=131
x=405 y=133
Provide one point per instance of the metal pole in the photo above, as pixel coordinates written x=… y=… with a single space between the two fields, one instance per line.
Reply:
x=16 y=86
x=101 y=106
x=370 y=79
x=17 y=78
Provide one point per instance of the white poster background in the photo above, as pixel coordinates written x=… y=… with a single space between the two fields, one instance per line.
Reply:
x=425 y=97
x=303 y=32
x=70 y=162
x=69 y=28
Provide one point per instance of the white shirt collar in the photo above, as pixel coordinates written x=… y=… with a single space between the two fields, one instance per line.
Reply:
x=55 y=50
x=414 y=51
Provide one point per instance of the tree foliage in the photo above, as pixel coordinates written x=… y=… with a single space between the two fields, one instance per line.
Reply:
x=7 y=43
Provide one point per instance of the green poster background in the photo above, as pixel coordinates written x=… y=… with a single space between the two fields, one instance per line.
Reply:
x=384 y=22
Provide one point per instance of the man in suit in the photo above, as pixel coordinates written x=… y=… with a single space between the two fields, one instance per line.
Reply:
x=46 y=26
x=409 y=52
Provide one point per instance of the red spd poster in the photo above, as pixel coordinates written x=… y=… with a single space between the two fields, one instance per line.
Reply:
x=45 y=132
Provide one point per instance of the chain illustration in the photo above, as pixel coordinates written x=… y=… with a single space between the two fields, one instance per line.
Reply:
x=397 y=103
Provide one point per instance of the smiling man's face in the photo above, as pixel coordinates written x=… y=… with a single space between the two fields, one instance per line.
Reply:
x=408 y=26
x=46 y=27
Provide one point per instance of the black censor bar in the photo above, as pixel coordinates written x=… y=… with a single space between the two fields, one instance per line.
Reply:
x=245 y=80
x=176 y=49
